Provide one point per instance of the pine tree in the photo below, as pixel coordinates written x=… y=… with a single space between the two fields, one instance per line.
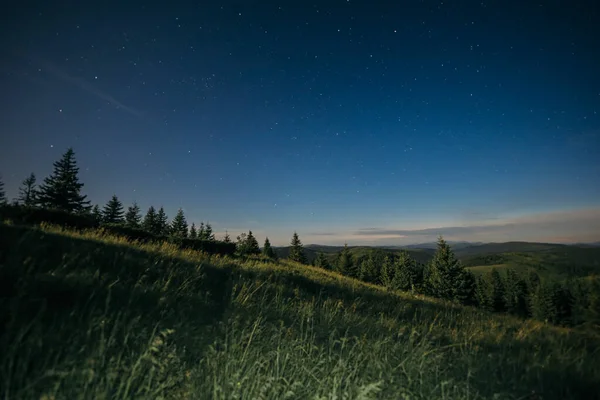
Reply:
x=408 y=274
x=179 y=226
x=563 y=301
x=28 y=192
x=483 y=294
x=227 y=238
x=267 y=249
x=150 y=223
x=201 y=231
x=515 y=294
x=252 y=244
x=542 y=303
x=465 y=289
x=62 y=189
x=345 y=262
x=241 y=245
x=112 y=213
x=498 y=293
x=97 y=214
x=297 y=250
x=208 y=232
x=447 y=278
x=162 y=222
x=2 y=193
x=133 y=218
x=367 y=268
x=193 y=232
x=321 y=261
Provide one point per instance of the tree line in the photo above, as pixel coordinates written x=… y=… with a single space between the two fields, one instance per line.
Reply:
x=572 y=302
x=563 y=303
x=62 y=191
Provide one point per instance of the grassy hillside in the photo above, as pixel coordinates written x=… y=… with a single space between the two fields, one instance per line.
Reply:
x=85 y=315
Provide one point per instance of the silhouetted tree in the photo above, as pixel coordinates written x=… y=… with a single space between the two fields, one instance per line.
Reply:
x=96 y=214
x=28 y=192
x=193 y=232
x=247 y=244
x=207 y=232
x=162 y=222
x=112 y=213
x=150 y=222
x=62 y=189
x=267 y=249
x=2 y=193
x=297 y=250
x=252 y=244
x=133 y=218
x=179 y=226
x=227 y=238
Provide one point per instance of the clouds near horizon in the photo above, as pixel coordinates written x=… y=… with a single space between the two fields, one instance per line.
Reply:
x=562 y=226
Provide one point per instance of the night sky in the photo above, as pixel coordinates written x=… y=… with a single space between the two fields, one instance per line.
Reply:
x=371 y=122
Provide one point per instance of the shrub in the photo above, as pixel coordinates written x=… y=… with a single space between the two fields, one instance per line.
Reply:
x=23 y=215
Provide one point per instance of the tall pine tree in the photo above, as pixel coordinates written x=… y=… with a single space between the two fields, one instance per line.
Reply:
x=62 y=189
x=515 y=293
x=227 y=238
x=408 y=274
x=2 y=193
x=193 y=232
x=112 y=213
x=252 y=244
x=179 y=226
x=387 y=272
x=28 y=192
x=447 y=278
x=483 y=294
x=345 y=262
x=208 y=232
x=162 y=222
x=133 y=218
x=150 y=223
x=498 y=292
x=297 y=250
x=267 y=249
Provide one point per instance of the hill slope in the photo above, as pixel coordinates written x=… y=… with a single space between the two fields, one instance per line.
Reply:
x=92 y=316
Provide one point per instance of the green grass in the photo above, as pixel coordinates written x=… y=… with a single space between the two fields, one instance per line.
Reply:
x=482 y=269
x=554 y=263
x=88 y=316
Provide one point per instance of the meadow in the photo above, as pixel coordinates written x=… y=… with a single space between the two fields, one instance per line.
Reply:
x=89 y=315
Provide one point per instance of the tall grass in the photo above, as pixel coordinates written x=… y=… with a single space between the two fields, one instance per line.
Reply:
x=90 y=316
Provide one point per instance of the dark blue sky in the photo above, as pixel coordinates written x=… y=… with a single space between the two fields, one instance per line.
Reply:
x=356 y=121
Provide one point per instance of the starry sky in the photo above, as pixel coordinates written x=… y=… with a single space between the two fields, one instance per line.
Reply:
x=359 y=121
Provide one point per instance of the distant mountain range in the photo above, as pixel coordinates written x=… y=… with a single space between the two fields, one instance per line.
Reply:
x=424 y=251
